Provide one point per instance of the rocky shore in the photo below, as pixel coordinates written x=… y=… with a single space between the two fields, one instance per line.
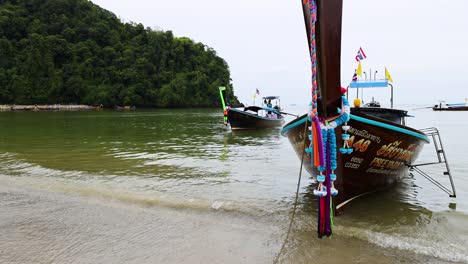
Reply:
x=54 y=107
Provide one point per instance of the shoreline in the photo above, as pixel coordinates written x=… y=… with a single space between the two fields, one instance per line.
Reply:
x=51 y=107
x=63 y=107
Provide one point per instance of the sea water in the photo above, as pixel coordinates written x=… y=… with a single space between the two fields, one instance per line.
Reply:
x=177 y=186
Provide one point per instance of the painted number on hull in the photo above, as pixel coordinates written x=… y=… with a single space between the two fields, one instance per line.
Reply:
x=360 y=145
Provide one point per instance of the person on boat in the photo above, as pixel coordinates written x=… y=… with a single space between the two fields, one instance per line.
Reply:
x=225 y=113
x=268 y=104
x=274 y=115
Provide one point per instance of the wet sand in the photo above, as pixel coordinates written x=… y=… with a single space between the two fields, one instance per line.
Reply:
x=51 y=227
x=43 y=226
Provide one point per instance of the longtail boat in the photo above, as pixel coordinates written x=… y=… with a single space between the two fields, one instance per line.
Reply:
x=442 y=106
x=349 y=151
x=253 y=117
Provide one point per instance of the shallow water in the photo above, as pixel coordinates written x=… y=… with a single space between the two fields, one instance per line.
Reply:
x=176 y=186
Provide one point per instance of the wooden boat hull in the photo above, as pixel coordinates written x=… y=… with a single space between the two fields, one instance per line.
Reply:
x=239 y=119
x=458 y=108
x=382 y=150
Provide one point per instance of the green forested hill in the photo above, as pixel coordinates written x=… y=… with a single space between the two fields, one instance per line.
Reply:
x=73 y=51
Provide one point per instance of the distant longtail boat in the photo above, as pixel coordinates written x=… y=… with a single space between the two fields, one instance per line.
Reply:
x=442 y=106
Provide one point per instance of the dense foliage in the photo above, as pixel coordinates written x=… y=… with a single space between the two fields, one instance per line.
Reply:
x=73 y=51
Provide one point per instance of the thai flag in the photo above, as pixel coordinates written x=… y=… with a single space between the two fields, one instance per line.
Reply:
x=355 y=77
x=360 y=55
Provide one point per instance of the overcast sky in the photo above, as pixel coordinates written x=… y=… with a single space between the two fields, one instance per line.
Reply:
x=421 y=42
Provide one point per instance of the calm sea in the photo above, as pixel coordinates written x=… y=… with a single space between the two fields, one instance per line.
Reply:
x=177 y=186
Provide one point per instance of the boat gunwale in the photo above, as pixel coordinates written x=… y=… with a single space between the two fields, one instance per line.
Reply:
x=369 y=120
x=256 y=116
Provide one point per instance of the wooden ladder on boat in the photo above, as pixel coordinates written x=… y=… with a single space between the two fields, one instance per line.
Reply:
x=433 y=133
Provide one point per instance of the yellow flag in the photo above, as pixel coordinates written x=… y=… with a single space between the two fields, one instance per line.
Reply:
x=359 y=69
x=254 y=96
x=387 y=76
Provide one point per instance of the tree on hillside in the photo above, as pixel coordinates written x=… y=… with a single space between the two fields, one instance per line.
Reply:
x=72 y=51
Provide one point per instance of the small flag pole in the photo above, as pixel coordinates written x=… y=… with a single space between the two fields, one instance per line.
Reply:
x=221 y=89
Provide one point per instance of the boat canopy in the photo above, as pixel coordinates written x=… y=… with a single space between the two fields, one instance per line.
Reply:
x=458 y=104
x=383 y=83
x=369 y=84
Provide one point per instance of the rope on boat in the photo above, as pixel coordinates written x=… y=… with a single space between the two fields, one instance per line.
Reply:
x=355 y=197
x=293 y=214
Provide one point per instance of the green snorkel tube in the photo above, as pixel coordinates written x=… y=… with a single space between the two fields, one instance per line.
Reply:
x=221 y=89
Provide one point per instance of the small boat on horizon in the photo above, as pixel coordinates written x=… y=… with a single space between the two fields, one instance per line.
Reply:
x=443 y=106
